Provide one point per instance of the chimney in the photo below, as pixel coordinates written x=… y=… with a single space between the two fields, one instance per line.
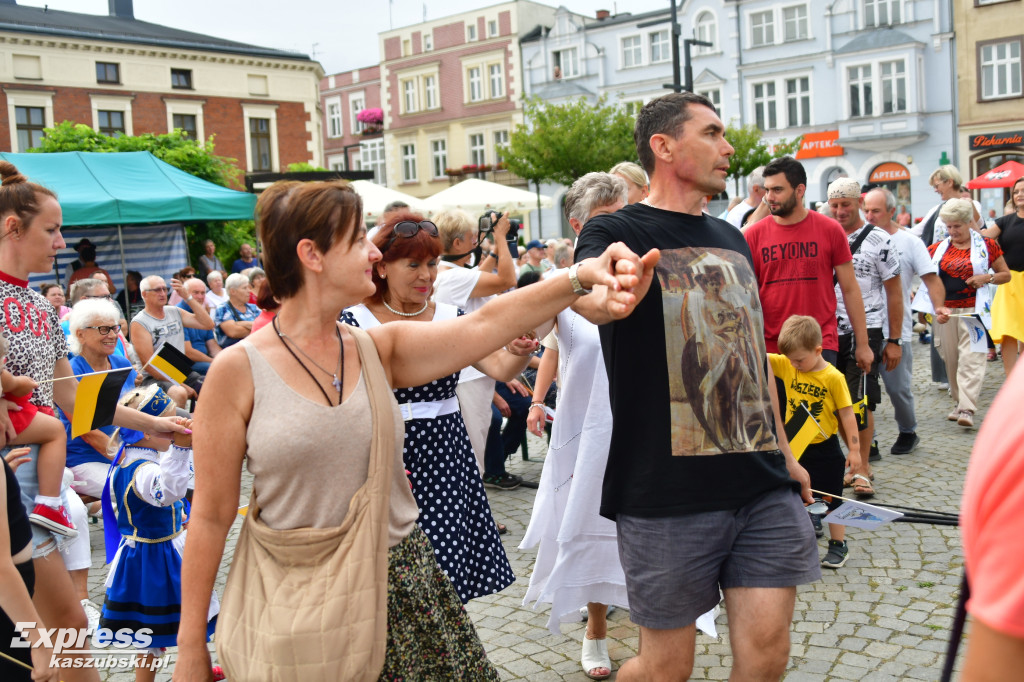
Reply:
x=602 y=14
x=122 y=9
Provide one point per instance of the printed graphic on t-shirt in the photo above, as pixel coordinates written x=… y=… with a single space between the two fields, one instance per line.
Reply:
x=714 y=338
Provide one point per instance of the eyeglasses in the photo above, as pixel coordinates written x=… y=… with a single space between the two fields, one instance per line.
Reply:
x=107 y=296
x=104 y=329
x=409 y=228
x=159 y=290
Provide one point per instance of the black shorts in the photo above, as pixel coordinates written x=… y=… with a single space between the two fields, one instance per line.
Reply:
x=848 y=366
x=825 y=464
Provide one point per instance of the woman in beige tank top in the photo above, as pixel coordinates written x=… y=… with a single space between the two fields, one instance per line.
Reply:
x=293 y=400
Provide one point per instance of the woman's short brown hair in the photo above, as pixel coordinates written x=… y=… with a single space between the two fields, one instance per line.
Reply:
x=19 y=196
x=288 y=212
x=421 y=246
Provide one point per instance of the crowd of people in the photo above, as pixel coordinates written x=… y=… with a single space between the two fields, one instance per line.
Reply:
x=373 y=384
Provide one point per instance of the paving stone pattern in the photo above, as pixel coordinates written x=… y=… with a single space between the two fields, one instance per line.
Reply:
x=883 y=617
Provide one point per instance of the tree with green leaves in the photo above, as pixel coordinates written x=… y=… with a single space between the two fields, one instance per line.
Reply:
x=753 y=151
x=176 y=148
x=561 y=142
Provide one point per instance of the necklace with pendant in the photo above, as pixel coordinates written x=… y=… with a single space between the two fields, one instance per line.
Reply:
x=337 y=377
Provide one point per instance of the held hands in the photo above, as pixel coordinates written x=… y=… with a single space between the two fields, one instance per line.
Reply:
x=626 y=275
x=183 y=440
x=169 y=427
x=524 y=345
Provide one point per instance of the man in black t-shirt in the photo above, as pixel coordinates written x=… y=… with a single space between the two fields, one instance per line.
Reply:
x=703 y=494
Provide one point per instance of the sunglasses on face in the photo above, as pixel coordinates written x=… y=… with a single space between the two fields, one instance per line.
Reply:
x=409 y=228
x=104 y=329
x=159 y=290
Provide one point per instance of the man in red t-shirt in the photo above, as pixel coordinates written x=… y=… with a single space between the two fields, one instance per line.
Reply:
x=796 y=252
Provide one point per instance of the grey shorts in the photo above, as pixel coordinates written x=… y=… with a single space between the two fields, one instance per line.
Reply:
x=675 y=565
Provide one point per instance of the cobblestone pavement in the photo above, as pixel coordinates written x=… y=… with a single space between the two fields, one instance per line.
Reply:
x=884 y=616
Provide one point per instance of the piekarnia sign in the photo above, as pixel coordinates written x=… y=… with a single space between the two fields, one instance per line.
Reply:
x=989 y=140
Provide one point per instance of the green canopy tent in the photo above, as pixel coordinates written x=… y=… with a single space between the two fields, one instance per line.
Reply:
x=116 y=189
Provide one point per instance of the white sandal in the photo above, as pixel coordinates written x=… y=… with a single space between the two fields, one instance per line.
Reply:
x=594 y=656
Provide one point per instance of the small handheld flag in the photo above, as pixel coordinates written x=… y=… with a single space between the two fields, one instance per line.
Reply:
x=801 y=430
x=96 y=399
x=171 y=363
x=860 y=408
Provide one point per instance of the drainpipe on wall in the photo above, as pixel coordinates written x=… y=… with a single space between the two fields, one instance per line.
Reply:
x=954 y=90
x=739 y=63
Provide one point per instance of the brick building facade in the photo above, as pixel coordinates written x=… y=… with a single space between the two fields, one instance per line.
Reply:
x=350 y=144
x=120 y=75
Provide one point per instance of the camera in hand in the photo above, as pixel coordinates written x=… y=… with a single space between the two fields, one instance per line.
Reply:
x=485 y=226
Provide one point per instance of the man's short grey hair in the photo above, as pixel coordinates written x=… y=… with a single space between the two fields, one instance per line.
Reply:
x=92 y=312
x=83 y=287
x=592 y=191
x=215 y=275
x=890 y=198
x=957 y=211
x=396 y=205
x=563 y=254
x=194 y=283
x=235 y=280
x=756 y=177
x=148 y=283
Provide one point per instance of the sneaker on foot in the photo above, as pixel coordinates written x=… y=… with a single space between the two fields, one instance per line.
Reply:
x=966 y=418
x=92 y=614
x=816 y=522
x=954 y=415
x=506 y=481
x=905 y=444
x=873 y=454
x=838 y=553
x=943 y=386
x=54 y=520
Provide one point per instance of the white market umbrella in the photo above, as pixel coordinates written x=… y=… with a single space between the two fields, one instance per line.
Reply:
x=477 y=196
x=376 y=197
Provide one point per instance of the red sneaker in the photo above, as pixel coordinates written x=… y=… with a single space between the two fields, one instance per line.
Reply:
x=54 y=520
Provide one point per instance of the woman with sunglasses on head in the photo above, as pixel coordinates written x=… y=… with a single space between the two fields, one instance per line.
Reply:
x=307 y=404
x=446 y=482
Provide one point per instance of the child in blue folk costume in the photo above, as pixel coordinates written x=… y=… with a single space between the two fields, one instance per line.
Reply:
x=147 y=482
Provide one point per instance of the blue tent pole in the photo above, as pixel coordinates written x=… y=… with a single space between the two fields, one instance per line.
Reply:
x=124 y=270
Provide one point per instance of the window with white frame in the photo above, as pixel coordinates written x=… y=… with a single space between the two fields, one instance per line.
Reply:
x=500 y=140
x=715 y=95
x=428 y=42
x=410 y=102
x=371 y=158
x=334 y=119
x=471 y=32
x=30 y=112
x=794 y=23
x=438 y=158
x=882 y=12
x=492 y=28
x=1000 y=65
x=356 y=103
x=567 y=62
x=430 y=92
x=765 y=109
x=409 y=163
x=497 y=80
x=477 y=151
x=661 y=48
x=798 y=101
x=705 y=28
x=762 y=28
x=632 y=52
x=860 y=88
x=476 y=84
x=894 y=87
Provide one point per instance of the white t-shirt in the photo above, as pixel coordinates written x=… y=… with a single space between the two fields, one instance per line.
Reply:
x=735 y=216
x=454 y=285
x=875 y=262
x=914 y=260
x=213 y=301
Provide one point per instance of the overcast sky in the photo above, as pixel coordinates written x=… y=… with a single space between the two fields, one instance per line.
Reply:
x=340 y=34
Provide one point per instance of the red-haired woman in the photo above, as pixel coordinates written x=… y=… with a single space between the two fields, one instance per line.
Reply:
x=446 y=482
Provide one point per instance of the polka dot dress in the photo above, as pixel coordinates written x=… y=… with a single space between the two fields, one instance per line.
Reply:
x=454 y=512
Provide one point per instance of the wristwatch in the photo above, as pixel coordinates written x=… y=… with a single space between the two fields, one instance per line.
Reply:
x=898 y=342
x=577 y=288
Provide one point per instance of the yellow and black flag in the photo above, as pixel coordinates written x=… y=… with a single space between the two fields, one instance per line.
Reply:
x=801 y=430
x=860 y=408
x=171 y=362
x=96 y=399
